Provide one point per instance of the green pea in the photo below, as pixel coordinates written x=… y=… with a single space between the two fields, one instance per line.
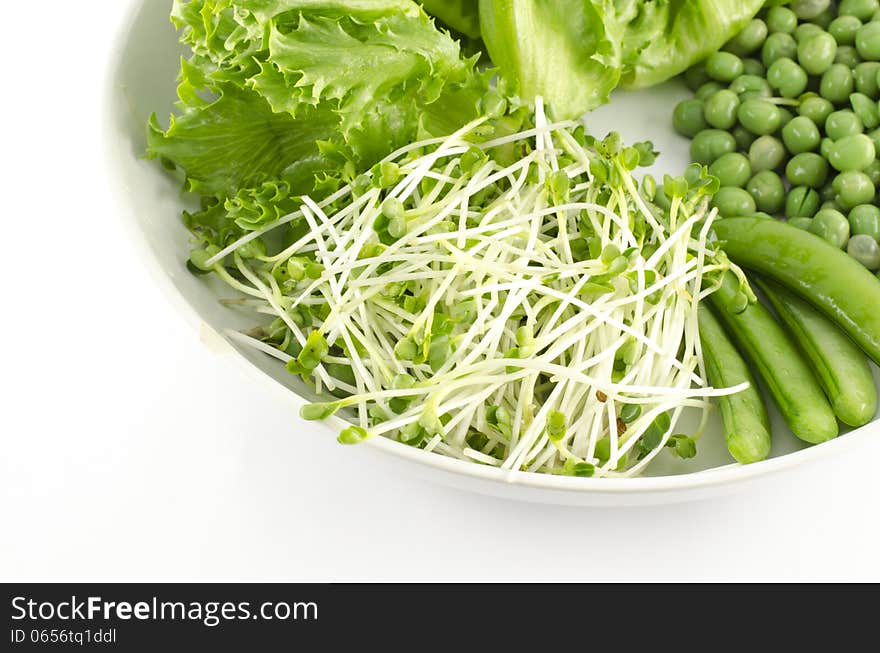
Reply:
x=753 y=67
x=855 y=152
x=866 y=109
x=825 y=147
x=853 y=188
x=815 y=108
x=778 y=46
x=801 y=223
x=865 y=77
x=724 y=66
x=864 y=219
x=837 y=83
x=843 y=123
x=830 y=204
x=848 y=56
x=720 y=109
x=696 y=76
x=844 y=28
x=816 y=53
x=824 y=19
x=873 y=172
x=759 y=116
x=767 y=190
x=874 y=135
x=743 y=137
x=868 y=41
x=749 y=39
x=707 y=89
x=801 y=135
x=785 y=116
x=807 y=169
x=865 y=250
x=862 y=9
x=801 y=202
x=766 y=153
x=733 y=202
x=687 y=118
x=804 y=30
x=828 y=194
x=751 y=83
x=781 y=19
x=732 y=169
x=710 y=144
x=832 y=226
x=787 y=77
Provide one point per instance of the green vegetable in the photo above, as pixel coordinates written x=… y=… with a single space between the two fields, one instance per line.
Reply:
x=842 y=123
x=744 y=415
x=460 y=15
x=865 y=219
x=768 y=191
x=801 y=135
x=688 y=119
x=269 y=108
x=865 y=250
x=573 y=53
x=840 y=366
x=832 y=226
x=837 y=82
x=766 y=153
x=732 y=169
x=833 y=282
x=786 y=374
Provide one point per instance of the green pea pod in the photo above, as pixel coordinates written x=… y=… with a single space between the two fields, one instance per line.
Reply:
x=786 y=374
x=746 y=425
x=841 y=367
x=835 y=283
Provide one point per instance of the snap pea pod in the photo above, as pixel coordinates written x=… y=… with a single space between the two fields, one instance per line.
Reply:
x=838 y=285
x=786 y=374
x=840 y=366
x=744 y=415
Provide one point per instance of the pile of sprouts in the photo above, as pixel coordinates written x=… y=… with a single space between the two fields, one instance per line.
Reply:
x=519 y=301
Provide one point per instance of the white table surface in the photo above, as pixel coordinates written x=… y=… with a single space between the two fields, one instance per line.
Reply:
x=131 y=452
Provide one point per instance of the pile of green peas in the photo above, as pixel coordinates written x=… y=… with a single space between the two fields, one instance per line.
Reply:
x=786 y=115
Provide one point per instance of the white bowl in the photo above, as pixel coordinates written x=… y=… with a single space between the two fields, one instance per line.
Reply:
x=143 y=81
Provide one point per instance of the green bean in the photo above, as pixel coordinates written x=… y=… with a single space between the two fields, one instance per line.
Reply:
x=841 y=367
x=744 y=415
x=786 y=374
x=828 y=278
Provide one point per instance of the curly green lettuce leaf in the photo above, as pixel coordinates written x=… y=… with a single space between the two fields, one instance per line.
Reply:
x=286 y=97
x=663 y=38
x=563 y=51
x=461 y=15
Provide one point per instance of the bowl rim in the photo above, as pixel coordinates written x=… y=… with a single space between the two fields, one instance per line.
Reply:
x=714 y=477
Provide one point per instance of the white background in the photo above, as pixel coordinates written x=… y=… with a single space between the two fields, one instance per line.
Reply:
x=130 y=451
